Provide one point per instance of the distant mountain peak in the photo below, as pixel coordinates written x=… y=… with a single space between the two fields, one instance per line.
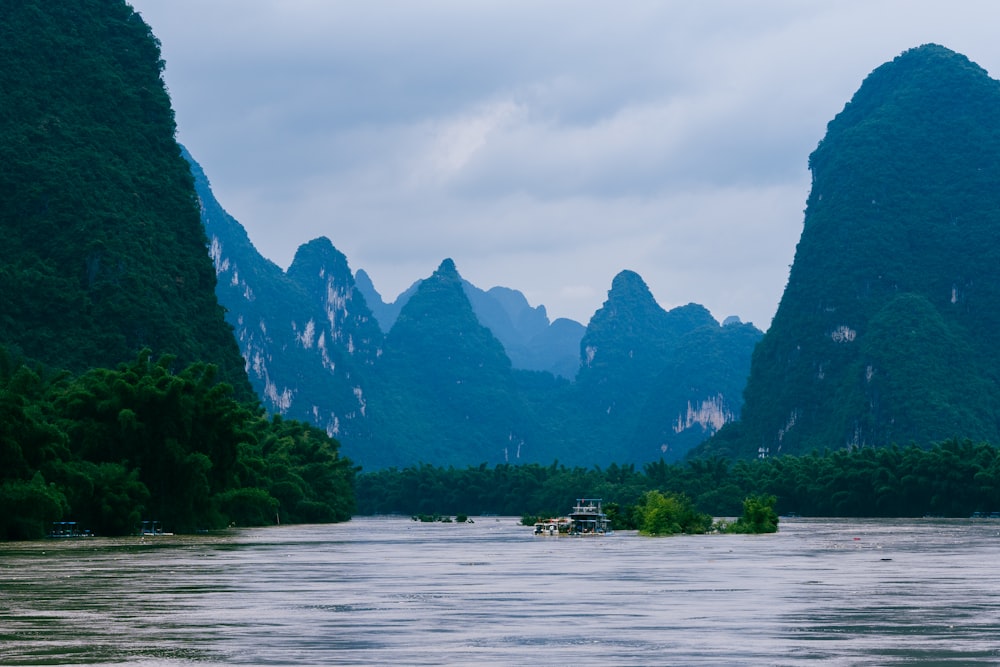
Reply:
x=319 y=254
x=443 y=286
x=630 y=306
x=361 y=277
x=629 y=282
x=447 y=270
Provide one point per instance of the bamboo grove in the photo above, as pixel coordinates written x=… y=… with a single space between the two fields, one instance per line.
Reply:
x=111 y=448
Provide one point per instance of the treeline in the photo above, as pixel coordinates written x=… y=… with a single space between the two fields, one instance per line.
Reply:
x=953 y=479
x=673 y=513
x=109 y=449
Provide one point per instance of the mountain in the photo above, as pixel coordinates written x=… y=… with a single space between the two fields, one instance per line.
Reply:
x=529 y=339
x=441 y=387
x=658 y=382
x=104 y=251
x=448 y=394
x=307 y=335
x=886 y=331
x=123 y=392
x=384 y=313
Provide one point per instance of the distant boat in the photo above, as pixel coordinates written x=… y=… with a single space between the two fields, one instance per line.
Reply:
x=587 y=518
x=66 y=529
x=152 y=528
x=552 y=527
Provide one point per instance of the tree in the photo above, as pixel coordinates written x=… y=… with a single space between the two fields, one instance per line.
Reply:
x=670 y=514
x=758 y=516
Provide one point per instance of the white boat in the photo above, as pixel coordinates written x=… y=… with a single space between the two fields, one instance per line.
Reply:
x=66 y=529
x=552 y=527
x=587 y=518
x=152 y=529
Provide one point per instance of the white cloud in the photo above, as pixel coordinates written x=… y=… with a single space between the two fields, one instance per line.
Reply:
x=542 y=146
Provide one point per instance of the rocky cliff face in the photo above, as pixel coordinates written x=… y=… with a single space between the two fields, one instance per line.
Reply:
x=307 y=335
x=886 y=330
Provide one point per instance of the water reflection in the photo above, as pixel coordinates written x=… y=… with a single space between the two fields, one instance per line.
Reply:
x=378 y=591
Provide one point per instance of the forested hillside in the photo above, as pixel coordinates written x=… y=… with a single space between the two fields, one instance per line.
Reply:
x=886 y=332
x=656 y=382
x=109 y=449
x=123 y=395
x=530 y=340
x=446 y=385
x=103 y=251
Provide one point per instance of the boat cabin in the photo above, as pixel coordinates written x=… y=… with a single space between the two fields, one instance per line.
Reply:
x=587 y=518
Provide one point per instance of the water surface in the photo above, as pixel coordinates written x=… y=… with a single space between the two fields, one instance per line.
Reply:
x=382 y=591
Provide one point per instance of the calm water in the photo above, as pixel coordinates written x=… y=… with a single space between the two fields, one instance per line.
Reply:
x=379 y=591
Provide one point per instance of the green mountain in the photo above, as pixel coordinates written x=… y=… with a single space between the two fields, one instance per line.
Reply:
x=441 y=386
x=655 y=383
x=448 y=394
x=307 y=335
x=104 y=252
x=112 y=339
x=886 y=330
x=530 y=340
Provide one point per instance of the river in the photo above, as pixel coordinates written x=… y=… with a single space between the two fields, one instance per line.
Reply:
x=390 y=591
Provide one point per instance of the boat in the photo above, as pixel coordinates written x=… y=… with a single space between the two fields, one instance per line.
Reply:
x=66 y=529
x=152 y=529
x=587 y=518
x=552 y=527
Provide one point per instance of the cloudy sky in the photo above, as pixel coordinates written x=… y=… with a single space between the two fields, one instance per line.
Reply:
x=542 y=145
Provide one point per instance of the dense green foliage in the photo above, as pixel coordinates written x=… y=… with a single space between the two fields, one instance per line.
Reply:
x=111 y=448
x=103 y=266
x=103 y=251
x=670 y=514
x=759 y=516
x=446 y=385
x=955 y=479
x=886 y=332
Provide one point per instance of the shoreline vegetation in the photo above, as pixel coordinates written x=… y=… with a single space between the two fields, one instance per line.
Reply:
x=657 y=514
x=108 y=449
x=955 y=478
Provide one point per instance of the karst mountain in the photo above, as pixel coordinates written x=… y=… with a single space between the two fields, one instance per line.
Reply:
x=886 y=332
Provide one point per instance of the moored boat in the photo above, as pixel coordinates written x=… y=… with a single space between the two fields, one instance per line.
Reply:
x=587 y=518
x=64 y=529
x=552 y=527
x=152 y=529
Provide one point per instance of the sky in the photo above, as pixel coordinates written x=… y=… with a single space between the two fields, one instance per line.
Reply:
x=543 y=146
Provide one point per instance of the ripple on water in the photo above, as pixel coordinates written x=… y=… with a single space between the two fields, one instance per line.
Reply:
x=381 y=591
